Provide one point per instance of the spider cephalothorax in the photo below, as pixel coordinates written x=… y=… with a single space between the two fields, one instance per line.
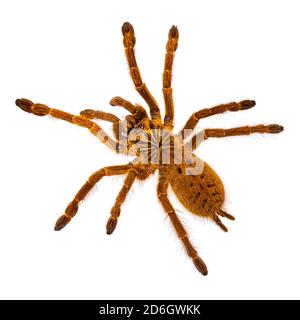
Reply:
x=151 y=140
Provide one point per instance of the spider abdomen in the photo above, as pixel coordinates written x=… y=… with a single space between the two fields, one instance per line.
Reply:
x=201 y=194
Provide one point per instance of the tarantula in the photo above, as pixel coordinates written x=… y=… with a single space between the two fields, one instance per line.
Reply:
x=151 y=140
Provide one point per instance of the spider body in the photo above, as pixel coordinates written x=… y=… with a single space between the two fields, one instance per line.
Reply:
x=156 y=148
x=200 y=194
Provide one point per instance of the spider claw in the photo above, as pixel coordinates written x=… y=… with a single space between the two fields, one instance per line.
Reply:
x=275 y=128
x=24 y=104
x=111 y=225
x=128 y=35
x=200 y=265
x=61 y=222
x=127 y=28
x=247 y=104
x=37 y=109
x=173 y=33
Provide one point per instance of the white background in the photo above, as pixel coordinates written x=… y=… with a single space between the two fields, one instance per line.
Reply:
x=69 y=55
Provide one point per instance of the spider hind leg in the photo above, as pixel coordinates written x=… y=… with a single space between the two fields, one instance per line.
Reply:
x=181 y=232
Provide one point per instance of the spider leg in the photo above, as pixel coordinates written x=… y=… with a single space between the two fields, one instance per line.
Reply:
x=116 y=209
x=43 y=110
x=167 y=76
x=96 y=114
x=239 y=131
x=204 y=113
x=181 y=232
x=123 y=146
x=72 y=208
x=129 y=43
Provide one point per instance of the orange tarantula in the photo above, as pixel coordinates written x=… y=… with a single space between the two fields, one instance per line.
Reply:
x=151 y=140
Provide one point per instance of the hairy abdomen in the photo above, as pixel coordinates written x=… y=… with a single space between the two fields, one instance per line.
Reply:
x=201 y=194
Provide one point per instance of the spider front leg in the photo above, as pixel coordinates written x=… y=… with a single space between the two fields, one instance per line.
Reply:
x=181 y=232
x=239 y=131
x=129 y=43
x=116 y=209
x=43 y=110
x=72 y=208
x=167 y=76
x=204 y=113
